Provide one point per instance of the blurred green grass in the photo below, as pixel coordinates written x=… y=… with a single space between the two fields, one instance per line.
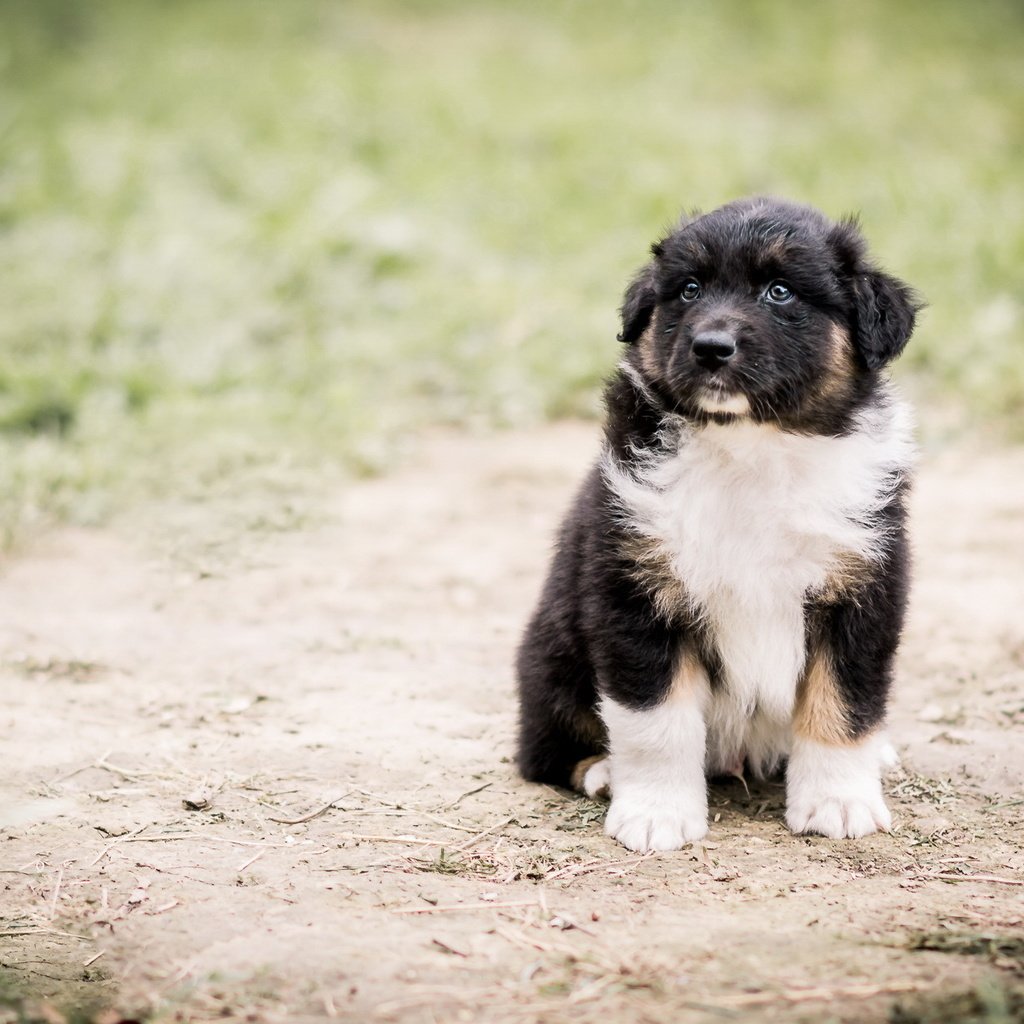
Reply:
x=239 y=235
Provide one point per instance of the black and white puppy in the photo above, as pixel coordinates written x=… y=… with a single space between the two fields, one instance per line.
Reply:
x=729 y=585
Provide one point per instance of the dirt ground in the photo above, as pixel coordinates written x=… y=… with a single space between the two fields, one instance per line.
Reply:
x=264 y=772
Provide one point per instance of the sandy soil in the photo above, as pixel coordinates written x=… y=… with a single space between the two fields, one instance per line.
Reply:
x=265 y=773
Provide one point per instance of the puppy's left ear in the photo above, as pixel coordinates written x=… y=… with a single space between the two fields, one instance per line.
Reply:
x=638 y=305
x=885 y=309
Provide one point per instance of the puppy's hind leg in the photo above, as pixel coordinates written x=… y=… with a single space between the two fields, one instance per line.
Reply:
x=552 y=746
x=593 y=777
x=558 y=724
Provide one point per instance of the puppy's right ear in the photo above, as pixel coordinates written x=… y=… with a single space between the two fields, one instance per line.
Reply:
x=638 y=304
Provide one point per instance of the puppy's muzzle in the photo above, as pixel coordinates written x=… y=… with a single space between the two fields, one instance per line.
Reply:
x=713 y=349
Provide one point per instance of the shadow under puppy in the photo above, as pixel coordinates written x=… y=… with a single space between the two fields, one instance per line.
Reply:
x=729 y=585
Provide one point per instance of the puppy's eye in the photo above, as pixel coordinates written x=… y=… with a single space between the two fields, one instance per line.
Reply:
x=691 y=291
x=779 y=291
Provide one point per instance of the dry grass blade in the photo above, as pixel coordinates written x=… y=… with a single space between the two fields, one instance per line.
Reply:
x=117 y=842
x=948 y=877
x=448 y=949
x=473 y=840
x=496 y=905
x=252 y=860
x=169 y=837
x=572 y=870
x=163 y=908
x=360 y=836
x=408 y=808
x=530 y=942
x=130 y=774
x=312 y=814
x=81 y=768
x=462 y=796
x=42 y=931
x=822 y=994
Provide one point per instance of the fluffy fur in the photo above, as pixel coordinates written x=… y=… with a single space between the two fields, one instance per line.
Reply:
x=729 y=585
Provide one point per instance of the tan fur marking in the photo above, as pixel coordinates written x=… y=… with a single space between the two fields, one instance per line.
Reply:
x=836 y=380
x=842 y=349
x=846 y=574
x=842 y=365
x=688 y=676
x=648 y=358
x=820 y=711
x=652 y=569
x=590 y=729
x=580 y=771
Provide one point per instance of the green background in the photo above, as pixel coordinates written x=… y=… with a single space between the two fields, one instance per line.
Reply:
x=241 y=236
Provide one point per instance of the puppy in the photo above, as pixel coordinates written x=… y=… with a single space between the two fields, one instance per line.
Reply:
x=729 y=586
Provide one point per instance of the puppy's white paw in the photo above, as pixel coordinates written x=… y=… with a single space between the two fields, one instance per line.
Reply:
x=848 y=818
x=836 y=791
x=643 y=827
x=597 y=779
x=887 y=756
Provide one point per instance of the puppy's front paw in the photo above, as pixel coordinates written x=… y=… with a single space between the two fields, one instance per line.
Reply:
x=643 y=827
x=837 y=791
x=840 y=818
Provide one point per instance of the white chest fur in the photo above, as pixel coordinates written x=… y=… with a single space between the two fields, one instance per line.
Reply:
x=751 y=519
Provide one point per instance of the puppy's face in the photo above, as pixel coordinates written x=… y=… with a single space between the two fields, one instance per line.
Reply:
x=764 y=310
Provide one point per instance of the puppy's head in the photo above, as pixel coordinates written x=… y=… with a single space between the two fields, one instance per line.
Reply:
x=766 y=310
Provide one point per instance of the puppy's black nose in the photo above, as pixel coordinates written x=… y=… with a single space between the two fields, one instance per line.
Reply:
x=713 y=348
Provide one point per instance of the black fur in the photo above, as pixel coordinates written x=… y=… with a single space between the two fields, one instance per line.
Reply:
x=807 y=364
